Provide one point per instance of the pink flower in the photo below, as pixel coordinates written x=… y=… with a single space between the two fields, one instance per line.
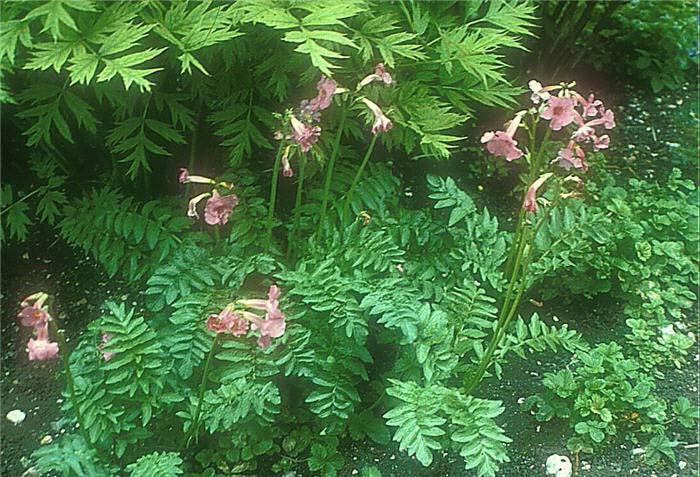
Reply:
x=326 y=87
x=530 y=202
x=601 y=142
x=501 y=143
x=590 y=107
x=219 y=208
x=560 y=110
x=380 y=74
x=583 y=133
x=567 y=159
x=304 y=134
x=106 y=355
x=41 y=349
x=608 y=118
x=192 y=205
x=274 y=325
x=186 y=178
x=381 y=122
x=34 y=315
x=228 y=322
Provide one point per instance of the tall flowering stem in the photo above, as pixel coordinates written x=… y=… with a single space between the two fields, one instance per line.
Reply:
x=273 y=195
x=356 y=179
x=575 y=131
x=194 y=427
x=329 y=172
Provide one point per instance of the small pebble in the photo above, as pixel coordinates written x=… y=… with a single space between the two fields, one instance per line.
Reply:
x=46 y=440
x=16 y=416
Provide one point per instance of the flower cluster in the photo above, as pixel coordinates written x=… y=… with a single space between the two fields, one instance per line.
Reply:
x=563 y=108
x=218 y=208
x=34 y=314
x=305 y=130
x=238 y=323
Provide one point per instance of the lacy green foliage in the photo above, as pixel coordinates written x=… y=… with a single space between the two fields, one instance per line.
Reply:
x=121 y=234
x=167 y=464
x=421 y=425
x=48 y=201
x=106 y=69
x=118 y=397
x=70 y=456
x=605 y=396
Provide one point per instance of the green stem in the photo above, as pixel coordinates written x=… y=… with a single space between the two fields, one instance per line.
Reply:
x=297 y=206
x=329 y=172
x=348 y=199
x=217 y=236
x=504 y=317
x=273 y=195
x=35 y=191
x=194 y=428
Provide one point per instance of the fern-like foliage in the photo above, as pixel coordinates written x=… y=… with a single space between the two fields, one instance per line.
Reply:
x=421 y=425
x=49 y=200
x=481 y=247
x=417 y=419
x=118 y=397
x=70 y=456
x=120 y=234
x=167 y=464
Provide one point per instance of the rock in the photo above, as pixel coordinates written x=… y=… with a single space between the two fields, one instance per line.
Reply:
x=558 y=466
x=638 y=451
x=46 y=440
x=16 y=416
x=682 y=464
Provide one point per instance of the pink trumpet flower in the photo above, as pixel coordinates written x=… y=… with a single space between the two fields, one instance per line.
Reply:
x=501 y=143
x=304 y=134
x=380 y=74
x=228 y=322
x=219 y=208
x=274 y=325
x=192 y=205
x=33 y=314
x=560 y=110
x=381 y=122
x=326 y=88
x=41 y=349
x=186 y=178
x=530 y=202
x=601 y=142
x=571 y=156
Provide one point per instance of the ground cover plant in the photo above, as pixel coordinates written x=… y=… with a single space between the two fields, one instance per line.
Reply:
x=241 y=166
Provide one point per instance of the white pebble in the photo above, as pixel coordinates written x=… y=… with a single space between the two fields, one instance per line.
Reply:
x=16 y=416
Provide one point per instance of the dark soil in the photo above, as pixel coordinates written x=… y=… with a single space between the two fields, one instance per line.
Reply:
x=43 y=263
